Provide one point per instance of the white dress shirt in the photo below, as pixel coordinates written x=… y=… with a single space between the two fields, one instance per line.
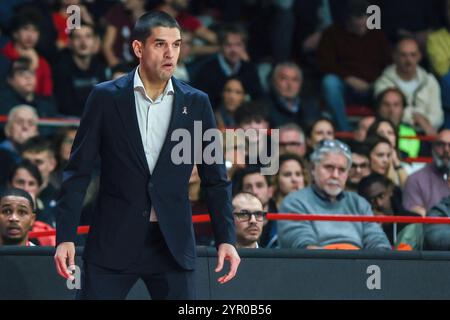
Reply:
x=153 y=119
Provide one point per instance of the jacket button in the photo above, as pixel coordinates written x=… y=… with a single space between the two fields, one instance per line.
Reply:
x=145 y=213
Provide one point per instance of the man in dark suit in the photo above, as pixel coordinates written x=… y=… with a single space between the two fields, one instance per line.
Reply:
x=142 y=226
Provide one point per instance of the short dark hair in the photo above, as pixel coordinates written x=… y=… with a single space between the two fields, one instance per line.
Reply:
x=18 y=65
x=240 y=175
x=38 y=144
x=18 y=193
x=150 y=20
x=84 y=24
x=368 y=181
x=30 y=167
x=379 y=98
x=231 y=28
x=359 y=148
x=26 y=16
x=310 y=128
x=252 y=111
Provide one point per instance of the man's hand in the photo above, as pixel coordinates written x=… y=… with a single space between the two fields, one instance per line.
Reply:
x=357 y=84
x=227 y=252
x=65 y=258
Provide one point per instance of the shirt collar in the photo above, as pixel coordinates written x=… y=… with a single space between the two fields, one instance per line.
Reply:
x=226 y=67
x=139 y=86
x=322 y=195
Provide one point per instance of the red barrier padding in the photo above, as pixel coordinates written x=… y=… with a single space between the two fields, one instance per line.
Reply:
x=297 y=217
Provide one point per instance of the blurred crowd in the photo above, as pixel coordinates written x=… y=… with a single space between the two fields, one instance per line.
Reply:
x=312 y=69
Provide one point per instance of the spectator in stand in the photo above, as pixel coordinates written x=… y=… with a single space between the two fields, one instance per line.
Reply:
x=185 y=68
x=233 y=96
x=437 y=236
x=385 y=128
x=178 y=10
x=360 y=165
x=120 y=20
x=251 y=180
x=424 y=109
x=16 y=217
x=320 y=130
x=385 y=199
x=21 y=80
x=21 y=126
x=331 y=162
x=292 y=176
x=78 y=71
x=285 y=99
x=40 y=152
x=382 y=159
x=26 y=176
x=360 y=133
x=351 y=57
x=390 y=104
x=438 y=49
x=248 y=218
x=25 y=35
x=292 y=140
x=63 y=141
x=426 y=187
x=232 y=60
x=60 y=16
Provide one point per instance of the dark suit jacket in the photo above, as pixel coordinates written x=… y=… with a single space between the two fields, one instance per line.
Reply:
x=109 y=129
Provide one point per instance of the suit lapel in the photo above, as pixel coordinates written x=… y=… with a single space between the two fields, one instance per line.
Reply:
x=126 y=106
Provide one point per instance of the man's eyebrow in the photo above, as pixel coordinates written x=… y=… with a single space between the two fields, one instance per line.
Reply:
x=164 y=40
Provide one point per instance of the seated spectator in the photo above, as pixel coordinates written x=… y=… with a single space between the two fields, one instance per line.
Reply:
x=437 y=236
x=21 y=126
x=386 y=199
x=26 y=176
x=292 y=140
x=25 y=36
x=351 y=57
x=331 y=162
x=320 y=130
x=360 y=132
x=390 y=104
x=287 y=104
x=424 y=107
x=248 y=218
x=233 y=96
x=120 y=20
x=78 y=71
x=64 y=142
x=16 y=217
x=206 y=40
x=360 y=165
x=41 y=153
x=438 y=49
x=20 y=89
x=185 y=69
x=426 y=187
x=251 y=180
x=234 y=150
x=292 y=176
x=60 y=16
x=232 y=60
x=385 y=128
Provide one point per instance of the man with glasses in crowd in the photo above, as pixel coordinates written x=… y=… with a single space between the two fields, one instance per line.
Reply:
x=426 y=187
x=249 y=219
x=360 y=165
x=331 y=162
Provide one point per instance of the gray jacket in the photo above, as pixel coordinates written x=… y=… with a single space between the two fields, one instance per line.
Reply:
x=437 y=236
x=300 y=234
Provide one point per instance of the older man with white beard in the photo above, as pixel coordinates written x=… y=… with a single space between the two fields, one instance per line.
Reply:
x=331 y=162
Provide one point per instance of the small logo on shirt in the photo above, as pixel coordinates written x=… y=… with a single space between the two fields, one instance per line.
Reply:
x=185 y=110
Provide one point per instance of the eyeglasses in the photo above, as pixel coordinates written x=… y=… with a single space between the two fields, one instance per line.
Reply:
x=245 y=215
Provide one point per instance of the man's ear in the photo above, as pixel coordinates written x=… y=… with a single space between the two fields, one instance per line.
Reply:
x=137 y=48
